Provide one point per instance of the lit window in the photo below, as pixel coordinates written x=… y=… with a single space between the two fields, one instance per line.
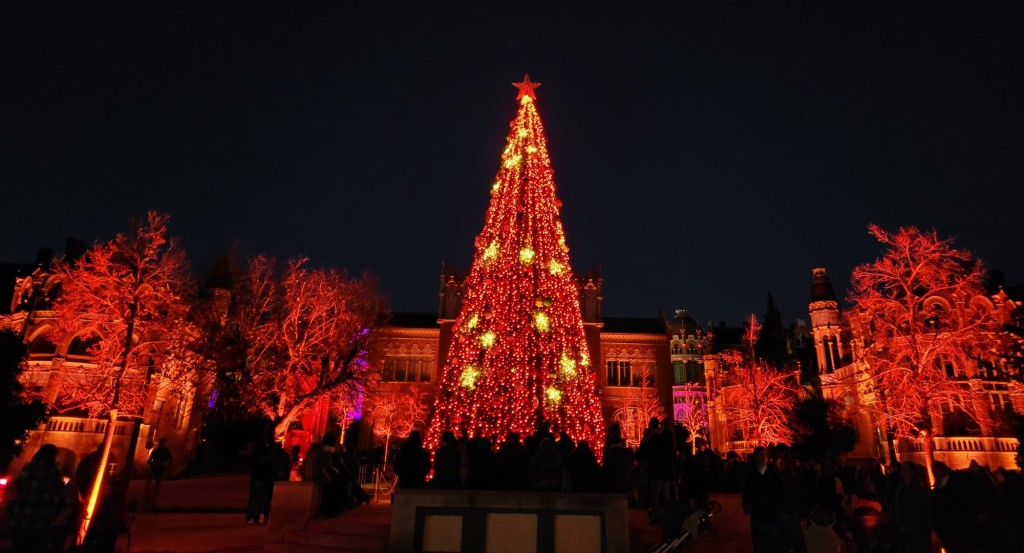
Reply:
x=625 y=373
x=406 y=369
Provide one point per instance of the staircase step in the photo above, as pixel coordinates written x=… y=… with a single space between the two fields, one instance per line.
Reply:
x=356 y=542
x=297 y=548
x=349 y=527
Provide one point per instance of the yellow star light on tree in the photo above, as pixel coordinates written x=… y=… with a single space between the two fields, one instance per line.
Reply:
x=472 y=322
x=487 y=339
x=568 y=366
x=554 y=394
x=526 y=256
x=492 y=251
x=541 y=321
x=468 y=378
x=513 y=161
x=555 y=268
x=584 y=359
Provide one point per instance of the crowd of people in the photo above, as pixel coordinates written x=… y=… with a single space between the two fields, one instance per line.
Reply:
x=795 y=504
x=540 y=462
x=879 y=508
x=45 y=513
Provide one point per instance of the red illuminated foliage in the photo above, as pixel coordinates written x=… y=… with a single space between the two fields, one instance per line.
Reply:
x=293 y=337
x=518 y=351
x=692 y=414
x=639 y=406
x=911 y=309
x=397 y=413
x=759 y=400
x=129 y=298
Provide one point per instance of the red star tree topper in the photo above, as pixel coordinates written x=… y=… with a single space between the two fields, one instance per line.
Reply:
x=518 y=351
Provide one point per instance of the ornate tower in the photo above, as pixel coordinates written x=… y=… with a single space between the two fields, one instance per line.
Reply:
x=826 y=323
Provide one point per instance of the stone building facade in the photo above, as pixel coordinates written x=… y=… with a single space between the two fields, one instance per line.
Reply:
x=175 y=412
x=845 y=379
x=646 y=367
x=634 y=371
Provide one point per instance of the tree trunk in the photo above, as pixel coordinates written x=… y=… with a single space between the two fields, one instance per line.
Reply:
x=133 y=445
x=282 y=424
x=891 y=443
x=929 y=455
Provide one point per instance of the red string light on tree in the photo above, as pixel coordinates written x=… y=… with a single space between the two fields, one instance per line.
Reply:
x=518 y=351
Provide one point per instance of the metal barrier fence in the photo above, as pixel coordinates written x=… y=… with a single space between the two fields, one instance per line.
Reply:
x=378 y=480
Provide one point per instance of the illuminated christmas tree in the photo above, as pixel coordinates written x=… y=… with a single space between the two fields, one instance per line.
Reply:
x=518 y=352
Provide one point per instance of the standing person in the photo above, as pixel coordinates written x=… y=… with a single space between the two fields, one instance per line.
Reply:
x=618 y=460
x=907 y=517
x=661 y=453
x=159 y=459
x=109 y=521
x=412 y=463
x=65 y=525
x=761 y=501
x=86 y=471
x=513 y=463
x=952 y=509
x=280 y=464
x=547 y=468
x=542 y=432
x=39 y=497
x=318 y=468
x=483 y=465
x=447 y=463
x=351 y=463
x=584 y=472
x=790 y=532
x=341 y=487
x=261 y=479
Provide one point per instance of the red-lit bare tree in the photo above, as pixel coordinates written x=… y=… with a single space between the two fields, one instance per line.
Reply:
x=692 y=414
x=639 y=406
x=397 y=413
x=759 y=399
x=911 y=309
x=130 y=297
x=346 y=405
x=300 y=337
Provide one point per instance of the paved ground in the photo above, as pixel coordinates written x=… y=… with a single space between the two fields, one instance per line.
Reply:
x=205 y=515
x=194 y=533
x=199 y=515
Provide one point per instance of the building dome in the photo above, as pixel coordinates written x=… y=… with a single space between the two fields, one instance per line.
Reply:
x=821 y=289
x=687 y=324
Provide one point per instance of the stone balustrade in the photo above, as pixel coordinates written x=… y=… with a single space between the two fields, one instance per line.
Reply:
x=83 y=425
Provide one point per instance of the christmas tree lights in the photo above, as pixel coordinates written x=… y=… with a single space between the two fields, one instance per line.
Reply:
x=518 y=351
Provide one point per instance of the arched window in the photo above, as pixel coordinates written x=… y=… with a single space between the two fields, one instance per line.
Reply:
x=79 y=347
x=41 y=346
x=694 y=373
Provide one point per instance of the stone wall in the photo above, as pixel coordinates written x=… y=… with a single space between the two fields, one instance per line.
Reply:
x=497 y=521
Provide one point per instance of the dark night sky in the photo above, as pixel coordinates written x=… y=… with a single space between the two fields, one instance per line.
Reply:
x=704 y=156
